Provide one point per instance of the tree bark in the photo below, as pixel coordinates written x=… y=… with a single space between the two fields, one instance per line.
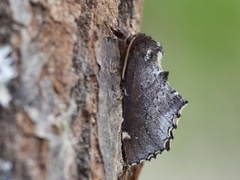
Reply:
x=60 y=96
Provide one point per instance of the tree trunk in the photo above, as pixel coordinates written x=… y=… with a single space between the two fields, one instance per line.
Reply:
x=60 y=96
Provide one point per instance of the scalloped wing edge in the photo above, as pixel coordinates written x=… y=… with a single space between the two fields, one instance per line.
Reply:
x=167 y=142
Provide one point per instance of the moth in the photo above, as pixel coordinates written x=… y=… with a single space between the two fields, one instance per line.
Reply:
x=151 y=107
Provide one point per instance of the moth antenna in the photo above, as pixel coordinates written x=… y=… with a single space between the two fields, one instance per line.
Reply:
x=126 y=58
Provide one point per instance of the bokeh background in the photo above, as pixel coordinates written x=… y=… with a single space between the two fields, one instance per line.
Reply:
x=201 y=40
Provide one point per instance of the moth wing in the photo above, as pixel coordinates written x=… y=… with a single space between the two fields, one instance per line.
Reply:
x=151 y=109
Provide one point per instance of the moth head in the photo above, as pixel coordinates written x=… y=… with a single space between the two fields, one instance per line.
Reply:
x=154 y=52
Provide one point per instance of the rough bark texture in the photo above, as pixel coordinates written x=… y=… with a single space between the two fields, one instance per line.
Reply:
x=60 y=96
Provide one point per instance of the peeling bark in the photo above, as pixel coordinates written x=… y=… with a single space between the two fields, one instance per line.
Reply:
x=60 y=96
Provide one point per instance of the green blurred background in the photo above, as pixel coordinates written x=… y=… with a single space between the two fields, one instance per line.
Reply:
x=201 y=40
